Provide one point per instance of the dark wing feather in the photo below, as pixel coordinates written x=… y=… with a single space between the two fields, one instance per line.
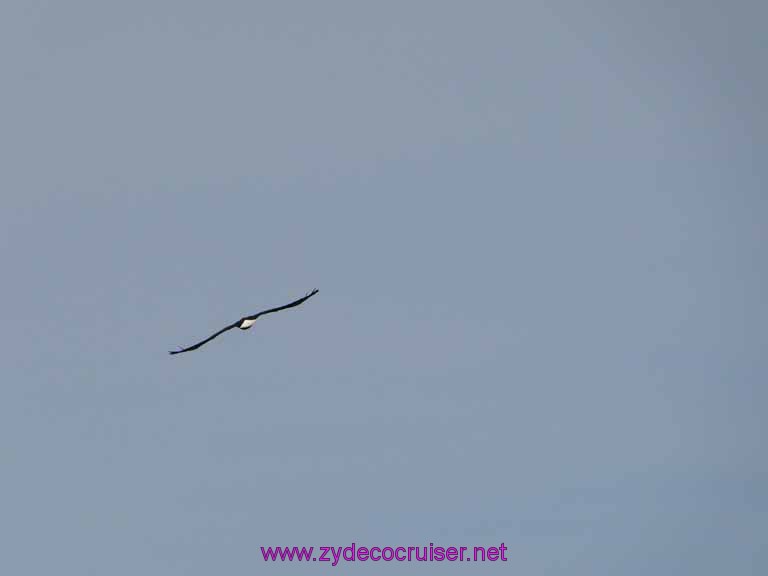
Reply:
x=291 y=305
x=196 y=346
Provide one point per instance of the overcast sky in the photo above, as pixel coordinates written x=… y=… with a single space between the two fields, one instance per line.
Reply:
x=539 y=234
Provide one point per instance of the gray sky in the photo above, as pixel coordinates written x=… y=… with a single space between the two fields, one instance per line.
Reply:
x=538 y=230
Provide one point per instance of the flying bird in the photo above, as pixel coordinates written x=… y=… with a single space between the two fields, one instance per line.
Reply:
x=245 y=322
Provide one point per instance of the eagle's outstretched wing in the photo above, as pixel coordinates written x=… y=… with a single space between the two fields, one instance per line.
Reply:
x=291 y=305
x=196 y=346
x=236 y=324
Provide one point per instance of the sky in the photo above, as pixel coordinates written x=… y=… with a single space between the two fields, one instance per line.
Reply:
x=538 y=231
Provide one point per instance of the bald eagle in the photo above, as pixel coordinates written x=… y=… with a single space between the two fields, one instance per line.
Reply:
x=245 y=322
